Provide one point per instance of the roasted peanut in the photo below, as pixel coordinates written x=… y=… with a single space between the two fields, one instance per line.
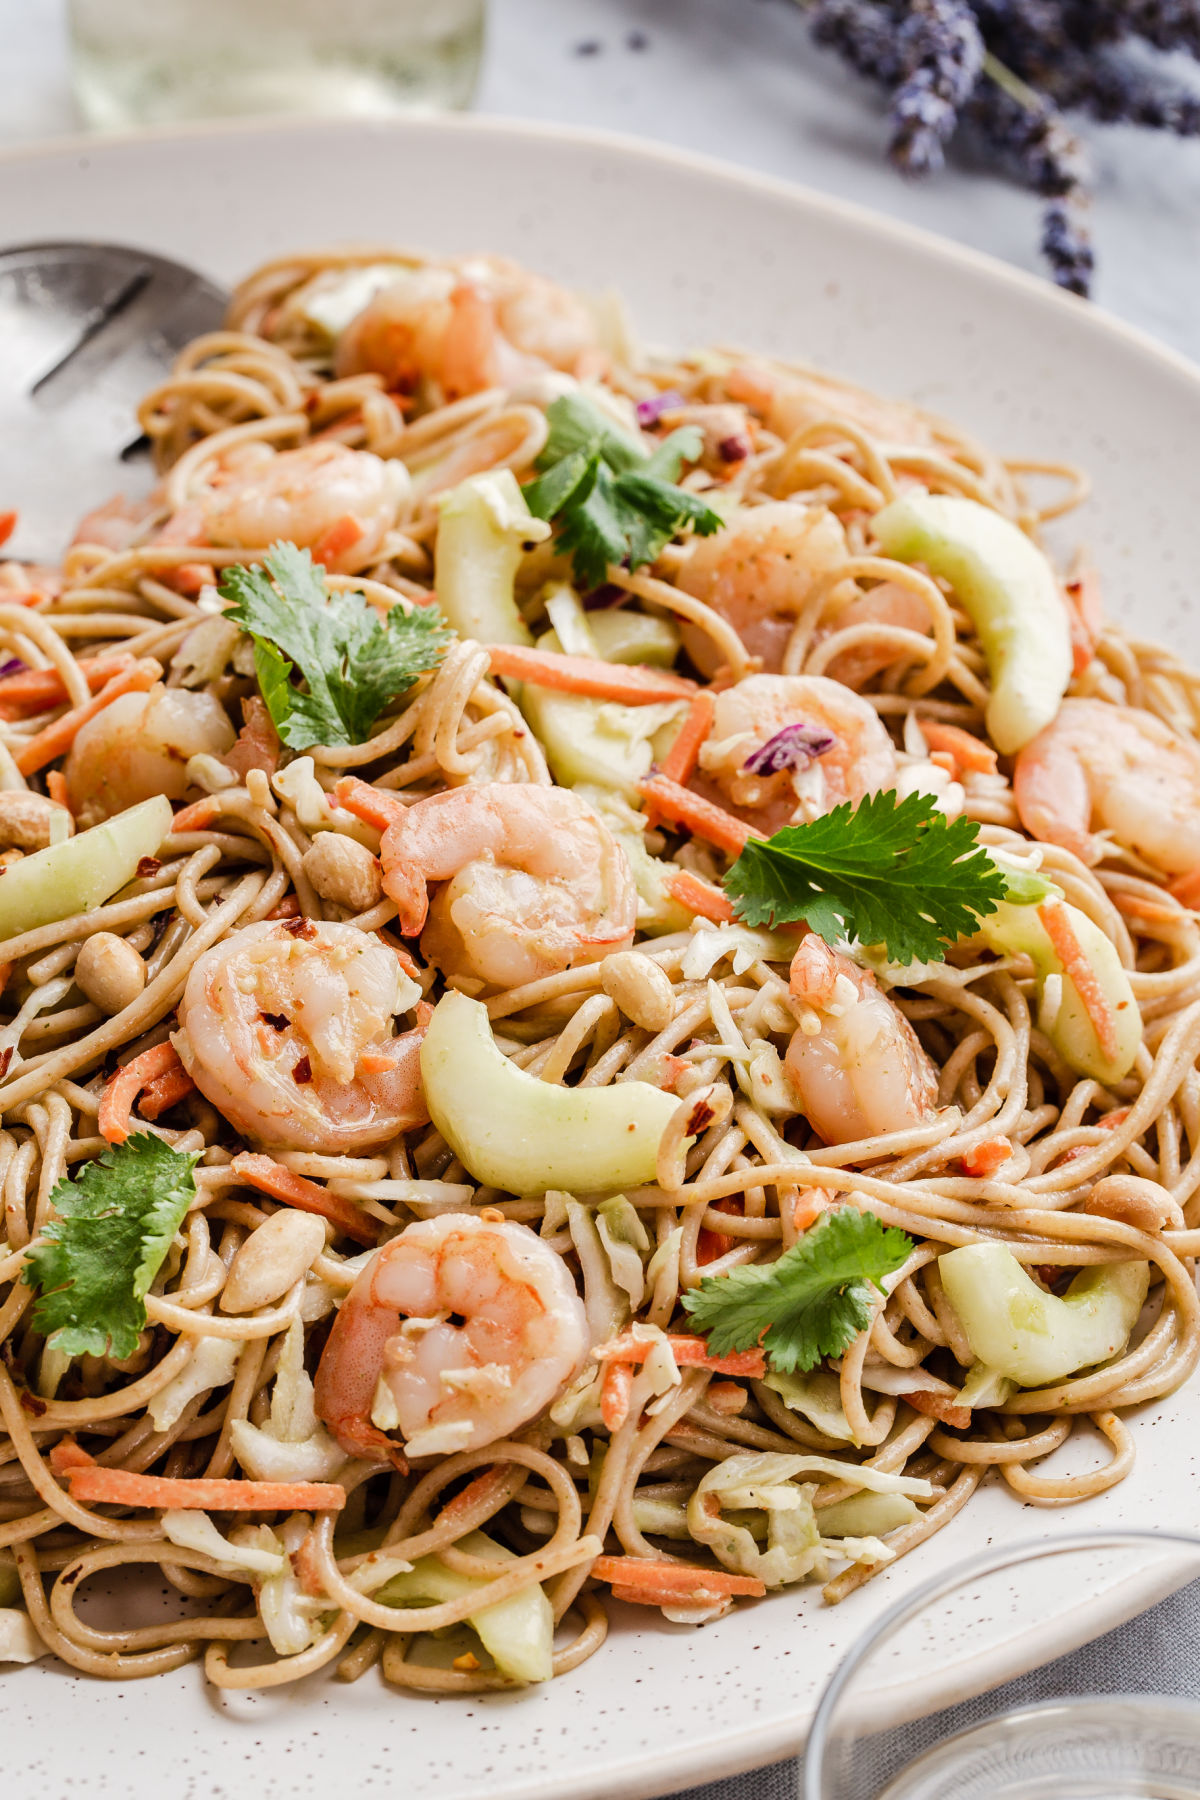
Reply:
x=272 y=1258
x=344 y=871
x=25 y=820
x=1133 y=1201
x=110 y=972
x=639 y=987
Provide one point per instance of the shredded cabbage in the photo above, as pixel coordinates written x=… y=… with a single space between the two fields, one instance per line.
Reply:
x=759 y=1481
x=293 y=1445
x=817 y=1397
x=626 y=1241
x=196 y=1531
x=211 y=1365
x=298 y=787
x=19 y=1642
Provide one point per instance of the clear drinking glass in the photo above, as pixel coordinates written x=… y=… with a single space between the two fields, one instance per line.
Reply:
x=915 y=1713
x=140 y=62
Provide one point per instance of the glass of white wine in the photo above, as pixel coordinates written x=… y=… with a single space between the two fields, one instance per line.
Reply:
x=957 y=1693
x=142 y=62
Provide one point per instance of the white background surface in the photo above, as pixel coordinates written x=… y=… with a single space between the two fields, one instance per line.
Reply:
x=739 y=79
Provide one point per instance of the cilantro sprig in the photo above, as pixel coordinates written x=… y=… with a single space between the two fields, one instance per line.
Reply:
x=896 y=873
x=812 y=1302
x=352 y=663
x=114 y=1226
x=610 y=500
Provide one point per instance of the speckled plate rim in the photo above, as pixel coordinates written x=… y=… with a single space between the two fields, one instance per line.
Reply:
x=709 y=1754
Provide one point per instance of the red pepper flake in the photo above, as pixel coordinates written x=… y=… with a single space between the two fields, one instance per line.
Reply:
x=147 y=866
x=299 y=928
x=302 y=1072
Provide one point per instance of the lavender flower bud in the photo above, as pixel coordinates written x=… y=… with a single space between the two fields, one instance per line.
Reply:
x=792 y=748
x=942 y=53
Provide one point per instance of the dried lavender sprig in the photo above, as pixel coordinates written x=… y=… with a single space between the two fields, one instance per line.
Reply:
x=1165 y=24
x=863 y=34
x=942 y=53
x=1066 y=245
x=1116 y=91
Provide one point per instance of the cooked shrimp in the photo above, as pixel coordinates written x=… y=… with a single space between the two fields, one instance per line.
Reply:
x=1120 y=770
x=288 y=1029
x=856 y=1064
x=888 y=604
x=139 y=745
x=338 y=503
x=458 y=1332
x=791 y=402
x=786 y=748
x=757 y=573
x=534 y=883
x=482 y=323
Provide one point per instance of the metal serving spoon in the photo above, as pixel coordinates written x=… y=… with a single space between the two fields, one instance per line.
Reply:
x=85 y=331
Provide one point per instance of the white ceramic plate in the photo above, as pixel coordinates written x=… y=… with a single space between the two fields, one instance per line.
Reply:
x=703 y=253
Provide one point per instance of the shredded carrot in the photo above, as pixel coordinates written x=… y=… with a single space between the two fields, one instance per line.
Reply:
x=700 y=897
x=968 y=751
x=711 y=1244
x=1111 y=1121
x=371 y=805
x=986 y=1158
x=117 y=1102
x=30 y=691
x=8 y=524
x=272 y=1178
x=90 y=1480
x=634 y=683
x=942 y=759
x=680 y=759
x=1085 y=616
x=336 y=539
x=808 y=1206
x=616 y=1391
x=6 y=969
x=53 y=741
x=189 y=578
x=1140 y=906
x=726 y=1397
x=701 y=817
x=689 y=1353
x=1076 y=966
x=1186 y=889
x=940 y=1406
x=56 y=787
x=648 y=1582
x=165 y=1091
x=288 y=908
x=199 y=816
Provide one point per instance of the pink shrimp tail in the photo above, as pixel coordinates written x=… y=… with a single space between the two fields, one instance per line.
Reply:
x=348 y=1373
x=814 y=971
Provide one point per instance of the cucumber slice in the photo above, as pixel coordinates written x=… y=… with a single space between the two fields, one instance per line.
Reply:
x=1033 y=1337
x=1009 y=589
x=1012 y=930
x=518 y=1633
x=523 y=1135
x=484 y=527
x=84 y=871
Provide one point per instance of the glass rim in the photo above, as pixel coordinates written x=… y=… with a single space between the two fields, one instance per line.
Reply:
x=936 y=1587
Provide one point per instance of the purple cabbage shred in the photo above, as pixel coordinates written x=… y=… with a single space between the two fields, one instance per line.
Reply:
x=12 y=665
x=649 y=412
x=792 y=748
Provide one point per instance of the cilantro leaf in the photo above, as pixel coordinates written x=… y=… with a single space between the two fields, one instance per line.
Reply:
x=613 y=502
x=812 y=1302
x=114 y=1226
x=897 y=873
x=353 y=662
